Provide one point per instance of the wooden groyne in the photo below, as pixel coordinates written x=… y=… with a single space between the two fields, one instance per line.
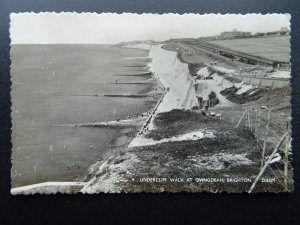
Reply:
x=116 y=95
x=134 y=75
x=139 y=66
x=128 y=95
x=132 y=82
x=131 y=122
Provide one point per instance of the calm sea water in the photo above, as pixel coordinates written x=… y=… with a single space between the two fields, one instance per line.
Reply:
x=49 y=87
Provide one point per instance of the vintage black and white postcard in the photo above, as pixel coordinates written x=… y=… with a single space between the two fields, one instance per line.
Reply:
x=150 y=103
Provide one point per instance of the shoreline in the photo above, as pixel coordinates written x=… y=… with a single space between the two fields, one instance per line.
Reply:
x=117 y=171
x=172 y=98
x=158 y=153
x=123 y=134
x=127 y=134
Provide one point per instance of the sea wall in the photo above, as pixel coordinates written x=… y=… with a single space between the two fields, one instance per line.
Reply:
x=264 y=82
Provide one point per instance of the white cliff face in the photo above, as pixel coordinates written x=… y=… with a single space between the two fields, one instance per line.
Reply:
x=174 y=75
x=216 y=85
x=144 y=46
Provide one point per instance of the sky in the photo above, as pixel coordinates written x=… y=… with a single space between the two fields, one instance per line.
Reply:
x=109 y=28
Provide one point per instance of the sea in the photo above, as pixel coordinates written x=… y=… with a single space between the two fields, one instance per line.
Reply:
x=55 y=85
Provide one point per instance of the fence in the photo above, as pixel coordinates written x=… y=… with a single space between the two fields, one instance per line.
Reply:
x=258 y=122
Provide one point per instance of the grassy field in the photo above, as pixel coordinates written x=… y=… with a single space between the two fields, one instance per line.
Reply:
x=277 y=48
